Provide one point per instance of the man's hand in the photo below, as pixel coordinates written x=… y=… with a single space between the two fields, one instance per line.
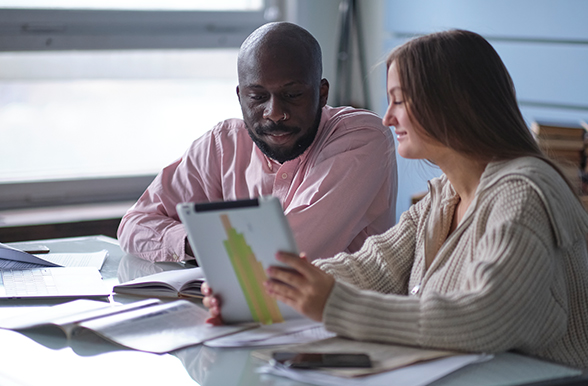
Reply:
x=213 y=304
x=303 y=287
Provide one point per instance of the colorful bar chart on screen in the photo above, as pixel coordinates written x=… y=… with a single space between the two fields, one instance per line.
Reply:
x=251 y=275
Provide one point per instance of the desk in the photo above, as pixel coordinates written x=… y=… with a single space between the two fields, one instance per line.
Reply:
x=28 y=361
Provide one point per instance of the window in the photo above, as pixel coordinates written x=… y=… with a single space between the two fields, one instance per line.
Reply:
x=145 y=5
x=97 y=96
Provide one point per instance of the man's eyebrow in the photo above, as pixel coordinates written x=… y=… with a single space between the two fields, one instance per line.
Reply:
x=254 y=86
x=289 y=84
x=294 y=83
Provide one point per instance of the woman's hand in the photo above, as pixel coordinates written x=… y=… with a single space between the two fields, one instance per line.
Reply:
x=303 y=287
x=212 y=303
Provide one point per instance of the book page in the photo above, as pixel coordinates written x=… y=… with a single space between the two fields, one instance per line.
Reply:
x=91 y=259
x=49 y=315
x=65 y=316
x=168 y=283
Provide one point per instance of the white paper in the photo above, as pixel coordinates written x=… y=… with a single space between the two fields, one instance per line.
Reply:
x=385 y=357
x=91 y=259
x=51 y=315
x=12 y=258
x=46 y=282
x=288 y=332
x=305 y=336
x=150 y=325
x=161 y=328
x=416 y=375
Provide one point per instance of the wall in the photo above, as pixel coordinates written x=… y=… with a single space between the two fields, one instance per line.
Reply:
x=320 y=18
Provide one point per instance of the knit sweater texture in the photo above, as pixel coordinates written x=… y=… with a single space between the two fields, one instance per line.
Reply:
x=512 y=276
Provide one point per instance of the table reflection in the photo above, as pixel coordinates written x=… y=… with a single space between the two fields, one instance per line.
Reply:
x=132 y=267
x=226 y=366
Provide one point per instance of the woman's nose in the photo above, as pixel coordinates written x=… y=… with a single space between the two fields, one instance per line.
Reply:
x=389 y=118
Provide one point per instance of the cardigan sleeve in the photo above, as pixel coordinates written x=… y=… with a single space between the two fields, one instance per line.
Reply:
x=385 y=261
x=509 y=295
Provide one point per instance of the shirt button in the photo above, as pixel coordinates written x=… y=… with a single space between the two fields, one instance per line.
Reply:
x=284 y=176
x=415 y=289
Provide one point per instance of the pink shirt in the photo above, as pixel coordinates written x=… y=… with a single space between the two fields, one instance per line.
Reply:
x=335 y=195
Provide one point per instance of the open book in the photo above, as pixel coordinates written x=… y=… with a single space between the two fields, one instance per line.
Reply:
x=149 y=325
x=168 y=284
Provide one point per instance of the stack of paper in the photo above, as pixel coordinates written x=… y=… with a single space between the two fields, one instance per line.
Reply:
x=419 y=374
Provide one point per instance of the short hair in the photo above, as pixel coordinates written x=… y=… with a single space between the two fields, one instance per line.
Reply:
x=461 y=94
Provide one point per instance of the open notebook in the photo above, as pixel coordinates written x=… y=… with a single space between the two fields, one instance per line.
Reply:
x=52 y=282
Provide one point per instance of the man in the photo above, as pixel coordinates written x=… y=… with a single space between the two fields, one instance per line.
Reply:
x=333 y=169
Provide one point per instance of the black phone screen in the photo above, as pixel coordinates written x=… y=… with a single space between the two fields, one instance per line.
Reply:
x=314 y=360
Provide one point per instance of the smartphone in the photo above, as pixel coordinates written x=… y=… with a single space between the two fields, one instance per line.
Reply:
x=316 y=360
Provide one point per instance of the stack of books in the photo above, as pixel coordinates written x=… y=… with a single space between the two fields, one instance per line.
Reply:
x=566 y=143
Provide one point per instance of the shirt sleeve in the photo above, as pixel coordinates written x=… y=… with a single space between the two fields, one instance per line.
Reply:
x=348 y=195
x=151 y=229
x=513 y=295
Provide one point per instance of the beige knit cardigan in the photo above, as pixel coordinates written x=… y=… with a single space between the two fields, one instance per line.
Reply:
x=512 y=276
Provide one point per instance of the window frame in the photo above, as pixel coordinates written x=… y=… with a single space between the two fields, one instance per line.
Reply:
x=63 y=29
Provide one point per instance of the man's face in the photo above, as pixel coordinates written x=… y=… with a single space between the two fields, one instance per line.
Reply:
x=281 y=103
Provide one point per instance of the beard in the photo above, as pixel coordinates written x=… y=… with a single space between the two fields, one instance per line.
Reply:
x=283 y=153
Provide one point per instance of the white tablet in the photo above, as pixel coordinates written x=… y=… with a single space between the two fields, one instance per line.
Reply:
x=234 y=242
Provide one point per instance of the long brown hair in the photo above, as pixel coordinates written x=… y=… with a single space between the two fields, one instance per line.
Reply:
x=460 y=93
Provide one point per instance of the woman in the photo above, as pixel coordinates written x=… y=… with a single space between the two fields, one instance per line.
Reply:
x=494 y=258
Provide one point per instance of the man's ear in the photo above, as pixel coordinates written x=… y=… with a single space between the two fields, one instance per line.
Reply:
x=238 y=95
x=324 y=92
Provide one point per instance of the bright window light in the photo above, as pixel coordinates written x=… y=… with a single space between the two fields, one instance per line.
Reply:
x=85 y=114
x=139 y=5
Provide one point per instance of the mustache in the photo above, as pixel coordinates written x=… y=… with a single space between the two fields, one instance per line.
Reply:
x=275 y=128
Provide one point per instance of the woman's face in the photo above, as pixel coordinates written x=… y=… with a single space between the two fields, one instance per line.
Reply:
x=412 y=140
